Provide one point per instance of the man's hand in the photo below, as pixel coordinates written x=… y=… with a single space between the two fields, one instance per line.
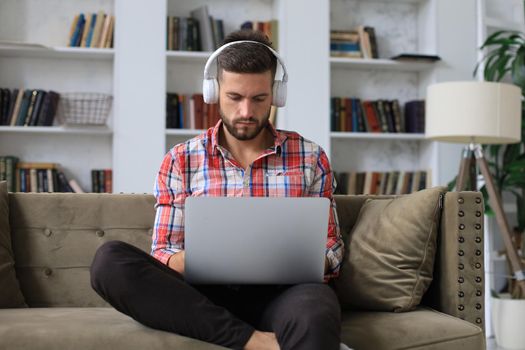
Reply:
x=176 y=262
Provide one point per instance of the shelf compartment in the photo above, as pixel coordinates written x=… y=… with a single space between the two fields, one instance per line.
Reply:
x=184 y=132
x=188 y=56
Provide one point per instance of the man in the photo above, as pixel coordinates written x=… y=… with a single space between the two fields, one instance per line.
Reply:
x=231 y=159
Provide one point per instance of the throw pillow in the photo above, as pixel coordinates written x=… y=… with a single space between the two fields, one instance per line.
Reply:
x=389 y=258
x=10 y=294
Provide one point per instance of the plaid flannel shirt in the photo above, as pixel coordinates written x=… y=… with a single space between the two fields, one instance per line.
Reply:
x=292 y=167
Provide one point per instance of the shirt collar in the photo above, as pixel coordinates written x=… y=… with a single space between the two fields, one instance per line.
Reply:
x=279 y=138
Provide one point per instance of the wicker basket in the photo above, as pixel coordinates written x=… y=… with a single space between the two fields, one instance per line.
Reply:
x=84 y=108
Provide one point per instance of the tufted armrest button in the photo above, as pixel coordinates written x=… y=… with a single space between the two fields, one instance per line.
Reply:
x=478 y=213
x=461 y=200
x=461 y=252
x=461 y=280
x=100 y=233
x=478 y=306
x=47 y=232
x=478 y=252
x=461 y=213
x=478 y=265
x=461 y=266
x=478 y=239
x=478 y=279
x=461 y=239
x=477 y=226
x=461 y=226
x=48 y=271
x=478 y=320
x=478 y=293
x=461 y=294
x=478 y=200
x=461 y=307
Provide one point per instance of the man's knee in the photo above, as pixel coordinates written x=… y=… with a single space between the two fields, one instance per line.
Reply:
x=104 y=267
x=317 y=305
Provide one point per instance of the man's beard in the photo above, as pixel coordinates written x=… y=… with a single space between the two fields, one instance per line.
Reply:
x=244 y=135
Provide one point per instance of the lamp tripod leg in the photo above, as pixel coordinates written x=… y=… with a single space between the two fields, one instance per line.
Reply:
x=496 y=203
x=464 y=167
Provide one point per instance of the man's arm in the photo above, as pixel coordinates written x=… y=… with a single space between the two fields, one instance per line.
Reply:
x=168 y=231
x=323 y=185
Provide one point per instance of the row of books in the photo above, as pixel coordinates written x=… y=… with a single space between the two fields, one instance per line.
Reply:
x=199 y=32
x=382 y=183
x=188 y=111
x=269 y=28
x=358 y=43
x=28 y=107
x=350 y=114
x=34 y=177
x=92 y=30
x=102 y=180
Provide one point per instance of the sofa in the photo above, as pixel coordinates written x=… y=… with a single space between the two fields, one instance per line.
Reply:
x=54 y=238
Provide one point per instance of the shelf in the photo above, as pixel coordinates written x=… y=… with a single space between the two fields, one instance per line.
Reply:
x=376 y=136
x=500 y=24
x=40 y=51
x=188 y=56
x=184 y=132
x=385 y=64
x=70 y=130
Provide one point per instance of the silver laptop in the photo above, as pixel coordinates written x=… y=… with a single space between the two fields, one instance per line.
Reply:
x=255 y=240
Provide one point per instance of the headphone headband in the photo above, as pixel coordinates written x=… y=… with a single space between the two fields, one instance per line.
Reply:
x=216 y=53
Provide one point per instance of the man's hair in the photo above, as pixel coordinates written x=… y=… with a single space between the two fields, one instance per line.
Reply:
x=247 y=57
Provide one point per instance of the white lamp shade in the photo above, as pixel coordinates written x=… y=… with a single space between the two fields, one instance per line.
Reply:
x=473 y=111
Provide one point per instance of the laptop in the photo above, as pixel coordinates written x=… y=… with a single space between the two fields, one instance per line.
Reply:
x=255 y=240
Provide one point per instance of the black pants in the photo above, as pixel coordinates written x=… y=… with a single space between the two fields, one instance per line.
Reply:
x=304 y=316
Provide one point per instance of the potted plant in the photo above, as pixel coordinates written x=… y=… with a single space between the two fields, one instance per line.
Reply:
x=506 y=60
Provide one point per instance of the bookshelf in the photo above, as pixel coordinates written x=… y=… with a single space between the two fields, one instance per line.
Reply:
x=139 y=71
x=494 y=16
x=400 y=27
x=34 y=54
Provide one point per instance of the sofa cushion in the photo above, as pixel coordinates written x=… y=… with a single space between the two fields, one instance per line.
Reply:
x=85 y=328
x=390 y=257
x=10 y=294
x=421 y=329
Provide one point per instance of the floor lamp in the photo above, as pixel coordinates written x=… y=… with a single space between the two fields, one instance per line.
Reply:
x=476 y=113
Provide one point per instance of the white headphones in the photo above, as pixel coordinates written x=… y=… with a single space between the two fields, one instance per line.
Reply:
x=210 y=85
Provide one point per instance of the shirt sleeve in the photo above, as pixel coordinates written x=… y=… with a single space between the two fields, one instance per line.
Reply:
x=323 y=185
x=168 y=230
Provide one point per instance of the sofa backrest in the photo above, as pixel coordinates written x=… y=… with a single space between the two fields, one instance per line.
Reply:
x=55 y=237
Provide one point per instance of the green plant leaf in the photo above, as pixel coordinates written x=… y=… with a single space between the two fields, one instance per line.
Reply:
x=518 y=68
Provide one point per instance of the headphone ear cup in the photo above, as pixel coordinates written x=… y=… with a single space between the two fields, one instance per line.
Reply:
x=210 y=90
x=279 y=93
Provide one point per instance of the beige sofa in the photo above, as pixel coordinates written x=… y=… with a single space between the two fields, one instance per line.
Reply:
x=54 y=237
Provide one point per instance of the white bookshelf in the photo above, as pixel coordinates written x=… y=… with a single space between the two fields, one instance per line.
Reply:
x=139 y=72
x=376 y=136
x=58 y=130
x=493 y=16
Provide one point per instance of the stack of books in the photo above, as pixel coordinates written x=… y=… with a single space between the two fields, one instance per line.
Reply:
x=8 y=171
x=382 y=183
x=188 y=111
x=28 y=107
x=102 y=180
x=92 y=30
x=358 y=43
x=42 y=177
x=352 y=114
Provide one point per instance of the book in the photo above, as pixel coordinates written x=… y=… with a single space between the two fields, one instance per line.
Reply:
x=34 y=94
x=416 y=57
x=38 y=107
x=111 y=31
x=48 y=109
x=370 y=31
x=16 y=109
x=75 y=186
x=12 y=104
x=169 y=37
x=86 y=31
x=73 y=29
x=91 y=29
x=202 y=15
x=24 y=107
x=415 y=116
x=104 y=32
x=97 y=30
x=364 y=42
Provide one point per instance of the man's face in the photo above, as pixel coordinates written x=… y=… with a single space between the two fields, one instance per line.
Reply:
x=244 y=102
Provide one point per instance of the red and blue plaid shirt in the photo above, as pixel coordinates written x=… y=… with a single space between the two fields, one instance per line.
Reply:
x=292 y=167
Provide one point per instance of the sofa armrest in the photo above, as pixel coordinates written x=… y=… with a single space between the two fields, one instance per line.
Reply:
x=457 y=288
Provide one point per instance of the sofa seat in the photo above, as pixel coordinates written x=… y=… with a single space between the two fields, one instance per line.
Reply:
x=420 y=329
x=85 y=328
